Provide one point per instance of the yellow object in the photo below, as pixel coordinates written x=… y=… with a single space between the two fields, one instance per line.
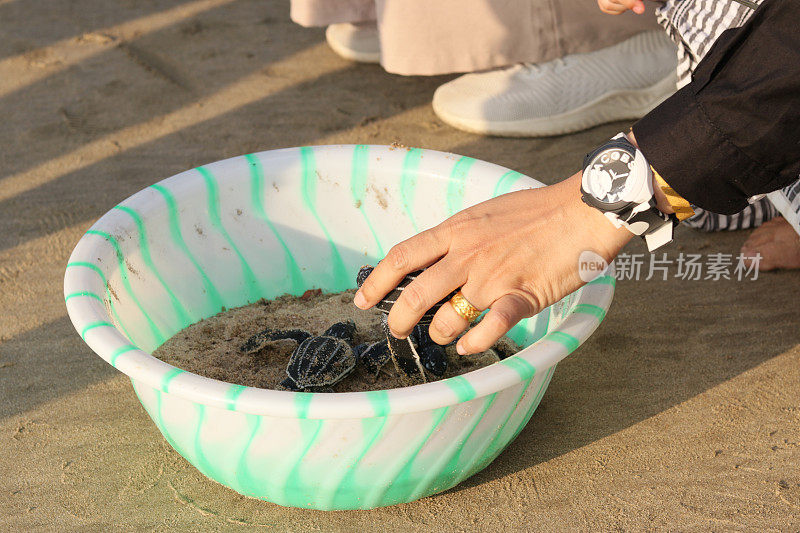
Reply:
x=465 y=310
x=682 y=208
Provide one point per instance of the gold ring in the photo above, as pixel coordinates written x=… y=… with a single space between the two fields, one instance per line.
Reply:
x=465 y=310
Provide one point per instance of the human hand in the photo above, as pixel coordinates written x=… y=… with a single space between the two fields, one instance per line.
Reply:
x=616 y=7
x=516 y=254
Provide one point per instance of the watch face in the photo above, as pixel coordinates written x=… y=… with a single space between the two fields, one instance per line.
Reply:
x=608 y=174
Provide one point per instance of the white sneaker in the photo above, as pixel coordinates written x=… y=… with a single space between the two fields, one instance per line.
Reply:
x=356 y=42
x=621 y=82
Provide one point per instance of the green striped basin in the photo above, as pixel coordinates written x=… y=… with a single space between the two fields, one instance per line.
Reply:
x=229 y=233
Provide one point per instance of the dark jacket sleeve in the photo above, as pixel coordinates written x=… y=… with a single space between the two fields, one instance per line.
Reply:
x=734 y=131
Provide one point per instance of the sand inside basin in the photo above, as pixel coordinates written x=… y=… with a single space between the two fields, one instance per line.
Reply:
x=211 y=347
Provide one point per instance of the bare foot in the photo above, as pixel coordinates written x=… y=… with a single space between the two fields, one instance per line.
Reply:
x=777 y=242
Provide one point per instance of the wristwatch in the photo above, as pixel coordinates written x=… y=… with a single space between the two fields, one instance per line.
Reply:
x=617 y=181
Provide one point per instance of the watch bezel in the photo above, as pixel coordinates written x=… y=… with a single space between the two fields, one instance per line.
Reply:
x=608 y=207
x=616 y=144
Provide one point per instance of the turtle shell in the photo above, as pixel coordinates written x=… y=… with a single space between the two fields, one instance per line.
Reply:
x=320 y=361
x=342 y=330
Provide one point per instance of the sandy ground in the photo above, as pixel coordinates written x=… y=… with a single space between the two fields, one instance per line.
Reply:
x=682 y=412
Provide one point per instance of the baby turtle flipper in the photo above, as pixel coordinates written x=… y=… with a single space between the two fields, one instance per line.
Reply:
x=404 y=356
x=297 y=335
x=288 y=384
x=257 y=341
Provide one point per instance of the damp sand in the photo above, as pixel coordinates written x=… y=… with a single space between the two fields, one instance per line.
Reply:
x=211 y=347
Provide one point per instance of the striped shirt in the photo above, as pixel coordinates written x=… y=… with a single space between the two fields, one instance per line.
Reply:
x=695 y=25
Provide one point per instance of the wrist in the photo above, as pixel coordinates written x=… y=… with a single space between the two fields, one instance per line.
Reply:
x=604 y=233
x=662 y=203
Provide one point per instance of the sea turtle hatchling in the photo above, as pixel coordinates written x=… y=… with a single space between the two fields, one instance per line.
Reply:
x=386 y=303
x=323 y=360
x=403 y=352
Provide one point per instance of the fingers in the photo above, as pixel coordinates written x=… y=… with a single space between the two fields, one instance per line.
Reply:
x=410 y=255
x=760 y=253
x=502 y=316
x=615 y=7
x=447 y=324
x=430 y=287
x=611 y=7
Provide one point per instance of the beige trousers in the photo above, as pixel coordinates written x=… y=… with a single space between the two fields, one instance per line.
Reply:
x=427 y=37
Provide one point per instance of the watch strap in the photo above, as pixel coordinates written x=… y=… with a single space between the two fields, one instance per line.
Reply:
x=659 y=237
x=655 y=227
